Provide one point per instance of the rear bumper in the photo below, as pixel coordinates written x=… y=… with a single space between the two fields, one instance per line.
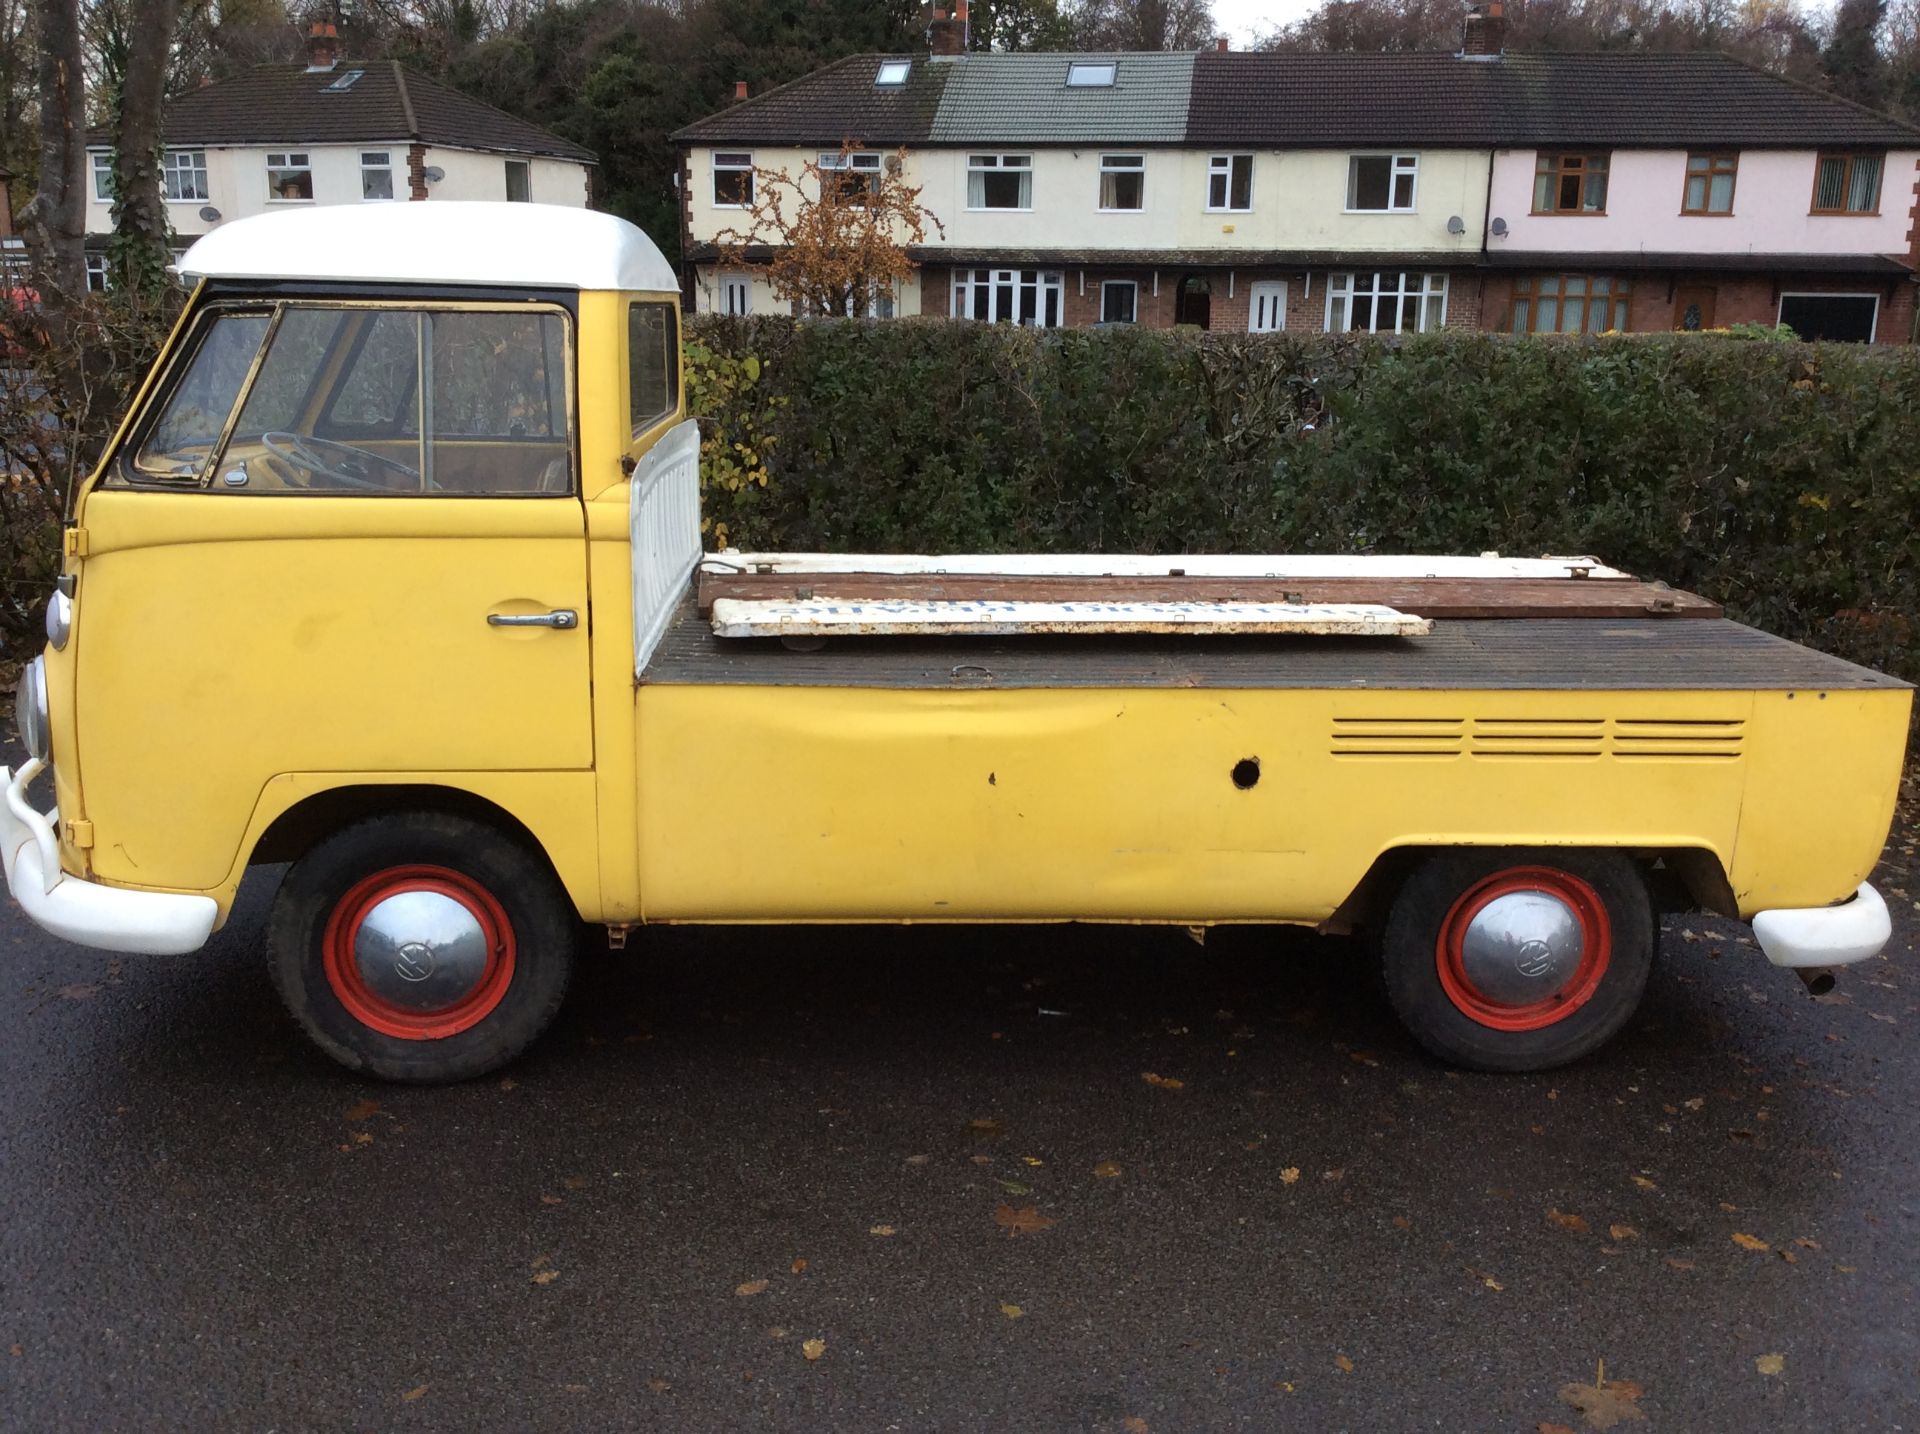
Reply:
x=145 y=923
x=1856 y=930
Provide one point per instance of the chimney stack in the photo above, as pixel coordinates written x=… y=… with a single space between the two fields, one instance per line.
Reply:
x=1222 y=44
x=947 y=35
x=739 y=89
x=323 y=46
x=1486 y=30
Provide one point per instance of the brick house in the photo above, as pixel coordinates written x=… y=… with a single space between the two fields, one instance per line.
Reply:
x=1382 y=192
x=334 y=131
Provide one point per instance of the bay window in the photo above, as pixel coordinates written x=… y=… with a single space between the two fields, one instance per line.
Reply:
x=1386 y=302
x=1570 y=304
x=1009 y=296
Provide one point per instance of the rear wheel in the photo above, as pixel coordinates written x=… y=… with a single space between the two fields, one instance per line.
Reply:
x=1518 y=960
x=422 y=946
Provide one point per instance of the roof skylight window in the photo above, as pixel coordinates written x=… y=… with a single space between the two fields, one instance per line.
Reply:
x=346 y=81
x=893 y=72
x=1087 y=75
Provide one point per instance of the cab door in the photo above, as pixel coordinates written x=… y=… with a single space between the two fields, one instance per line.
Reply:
x=345 y=538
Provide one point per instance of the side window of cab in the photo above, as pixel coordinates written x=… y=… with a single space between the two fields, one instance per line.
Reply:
x=367 y=399
x=653 y=363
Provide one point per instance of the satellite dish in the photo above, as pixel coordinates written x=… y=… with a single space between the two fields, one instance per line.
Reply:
x=433 y=174
x=1456 y=225
x=1499 y=228
x=210 y=214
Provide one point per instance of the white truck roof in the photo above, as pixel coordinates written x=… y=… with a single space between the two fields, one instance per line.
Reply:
x=436 y=242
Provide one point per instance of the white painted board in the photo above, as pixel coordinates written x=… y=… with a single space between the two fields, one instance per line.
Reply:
x=829 y=617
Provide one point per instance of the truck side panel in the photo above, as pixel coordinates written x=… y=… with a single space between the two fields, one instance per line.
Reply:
x=837 y=804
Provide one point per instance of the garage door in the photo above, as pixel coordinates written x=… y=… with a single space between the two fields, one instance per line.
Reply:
x=1846 y=318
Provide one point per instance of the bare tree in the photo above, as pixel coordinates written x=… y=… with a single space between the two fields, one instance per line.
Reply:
x=1143 y=24
x=133 y=49
x=54 y=222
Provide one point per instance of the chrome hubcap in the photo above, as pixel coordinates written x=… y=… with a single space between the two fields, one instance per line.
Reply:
x=1521 y=947
x=421 y=951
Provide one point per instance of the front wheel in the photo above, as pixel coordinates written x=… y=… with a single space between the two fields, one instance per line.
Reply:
x=421 y=946
x=1518 y=960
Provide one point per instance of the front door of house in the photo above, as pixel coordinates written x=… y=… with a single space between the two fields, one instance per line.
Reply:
x=1693 y=307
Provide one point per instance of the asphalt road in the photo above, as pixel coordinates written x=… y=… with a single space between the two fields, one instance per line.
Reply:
x=1267 y=1210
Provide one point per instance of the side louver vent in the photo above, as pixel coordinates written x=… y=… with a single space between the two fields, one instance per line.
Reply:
x=1539 y=738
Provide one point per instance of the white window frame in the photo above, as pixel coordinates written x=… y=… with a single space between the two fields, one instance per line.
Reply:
x=1092 y=74
x=101 y=162
x=1000 y=163
x=1419 y=286
x=892 y=73
x=1110 y=164
x=1133 y=316
x=507 y=168
x=737 y=161
x=385 y=158
x=290 y=160
x=175 y=163
x=1043 y=282
x=733 y=294
x=1873 y=334
x=1273 y=292
x=1221 y=166
x=96 y=273
x=1397 y=165
x=863 y=161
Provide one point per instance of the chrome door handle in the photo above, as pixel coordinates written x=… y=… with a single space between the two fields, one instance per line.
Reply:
x=560 y=617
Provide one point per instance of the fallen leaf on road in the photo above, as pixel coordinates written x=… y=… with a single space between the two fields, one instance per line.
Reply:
x=16 y=1350
x=1134 y=1424
x=1643 y=1182
x=79 y=991
x=508 y=1083
x=813 y=1349
x=1290 y=1176
x=1364 y=1058
x=1771 y=1364
x=1164 y=1082
x=1011 y=1311
x=414 y=1393
x=1033 y=1160
x=918 y=1159
x=1014 y=1187
x=1622 y=1232
x=1605 y=1402
x=983 y=1127
x=574 y=1182
x=1804 y=1243
x=751 y=1287
x=1749 y=1242
x=1345 y=1364
x=981 y=1159
x=545 y=1277
x=1401 y=1222
x=1024 y=1221
x=363 y=1110
x=799 y=1267
x=551 y=1200
x=1545 y=1428
x=1339 y=1172
x=883 y=1230
x=1107 y=1170
x=1575 y=1223
x=659 y=1386
x=1679 y=1264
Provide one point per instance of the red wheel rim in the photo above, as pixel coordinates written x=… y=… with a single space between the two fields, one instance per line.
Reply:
x=341 y=955
x=1499 y=1011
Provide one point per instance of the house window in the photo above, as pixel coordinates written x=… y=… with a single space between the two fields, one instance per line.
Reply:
x=1841 y=318
x=1847 y=184
x=1386 y=302
x=1123 y=181
x=1119 y=301
x=1382 y=183
x=1570 y=304
x=1267 y=307
x=102 y=176
x=1709 y=184
x=653 y=365
x=732 y=180
x=376 y=174
x=1570 y=184
x=96 y=273
x=893 y=72
x=999 y=181
x=1090 y=74
x=859 y=174
x=183 y=174
x=1230 y=182
x=519 y=181
x=736 y=295
x=289 y=176
x=1008 y=296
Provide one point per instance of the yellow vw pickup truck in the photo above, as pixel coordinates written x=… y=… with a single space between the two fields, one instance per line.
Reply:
x=393 y=574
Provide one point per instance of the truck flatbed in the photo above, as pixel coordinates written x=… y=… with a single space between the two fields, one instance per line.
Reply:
x=1509 y=653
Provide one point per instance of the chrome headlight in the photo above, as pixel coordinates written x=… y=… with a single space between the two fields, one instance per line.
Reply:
x=30 y=709
x=59 y=620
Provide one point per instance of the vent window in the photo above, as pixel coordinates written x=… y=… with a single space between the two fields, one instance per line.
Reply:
x=893 y=72
x=345 y=82
x=1090 y=76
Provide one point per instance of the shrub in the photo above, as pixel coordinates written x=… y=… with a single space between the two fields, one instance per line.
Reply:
x=1780 y=478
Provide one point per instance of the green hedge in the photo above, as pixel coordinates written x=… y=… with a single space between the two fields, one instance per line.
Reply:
x=1782 y=479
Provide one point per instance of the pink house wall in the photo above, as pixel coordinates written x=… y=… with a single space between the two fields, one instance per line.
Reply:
x=1773 y=191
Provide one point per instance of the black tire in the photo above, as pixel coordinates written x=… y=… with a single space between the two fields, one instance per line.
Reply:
x=530 y=917
x=1423 y=912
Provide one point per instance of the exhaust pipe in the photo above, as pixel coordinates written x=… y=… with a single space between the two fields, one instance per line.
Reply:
x=1817 y=979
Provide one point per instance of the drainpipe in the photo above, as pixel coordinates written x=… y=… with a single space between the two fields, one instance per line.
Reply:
x=1486 y=222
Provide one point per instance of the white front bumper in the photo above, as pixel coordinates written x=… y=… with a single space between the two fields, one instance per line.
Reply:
x=1856 y=930
x=146 y=923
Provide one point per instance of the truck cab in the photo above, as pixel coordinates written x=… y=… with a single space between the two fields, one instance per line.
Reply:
x=393 y=572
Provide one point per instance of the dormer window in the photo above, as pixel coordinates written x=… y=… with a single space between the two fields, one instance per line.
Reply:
x=1090 y=74
x=893 y=72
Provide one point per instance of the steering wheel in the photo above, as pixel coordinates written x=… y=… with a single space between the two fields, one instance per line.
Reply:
x=342 y=462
